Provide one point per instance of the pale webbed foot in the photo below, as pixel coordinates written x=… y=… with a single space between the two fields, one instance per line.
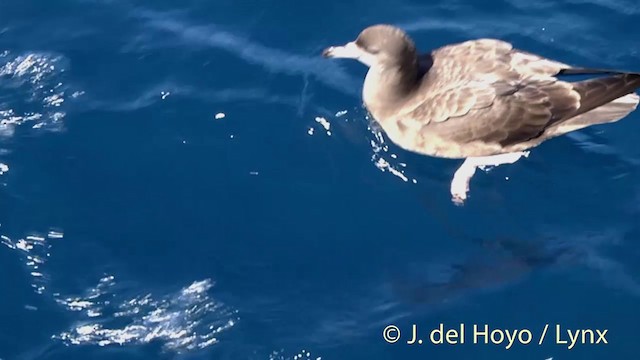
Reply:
x=460 y=181
x=462 y=177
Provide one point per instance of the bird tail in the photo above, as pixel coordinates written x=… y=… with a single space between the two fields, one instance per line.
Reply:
x=602 y=100
x=607 y=113
x=598 y=92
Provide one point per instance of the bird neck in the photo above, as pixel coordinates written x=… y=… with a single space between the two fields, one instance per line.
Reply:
x=389 y=85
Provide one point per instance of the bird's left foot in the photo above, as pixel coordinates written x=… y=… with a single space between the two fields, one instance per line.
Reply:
x=462 y=177
x=460 y=182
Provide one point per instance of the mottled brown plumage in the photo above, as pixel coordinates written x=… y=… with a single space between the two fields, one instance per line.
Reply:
x=480 y=97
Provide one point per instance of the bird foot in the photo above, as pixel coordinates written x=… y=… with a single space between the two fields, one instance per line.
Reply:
x=462 y=177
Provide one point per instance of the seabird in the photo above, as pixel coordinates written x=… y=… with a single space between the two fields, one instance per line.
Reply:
x=480 y=100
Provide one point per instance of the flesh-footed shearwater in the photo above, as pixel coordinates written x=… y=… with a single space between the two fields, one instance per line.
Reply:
x=480 y=100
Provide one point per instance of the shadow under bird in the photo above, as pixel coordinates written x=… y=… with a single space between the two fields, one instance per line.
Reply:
x=480 y=100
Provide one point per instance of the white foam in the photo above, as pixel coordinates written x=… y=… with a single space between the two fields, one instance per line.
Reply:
x=55 y=235
x=326 y=125
x=298 y=355
x=324 y=122
x=383 y=165
x=380 y=149
x=34 y=252
x=182 y=321
x=32 y=79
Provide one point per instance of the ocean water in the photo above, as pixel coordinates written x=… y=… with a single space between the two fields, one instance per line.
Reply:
x=191 y=180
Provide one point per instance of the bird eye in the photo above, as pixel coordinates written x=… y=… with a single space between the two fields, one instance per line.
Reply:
x=368 y=48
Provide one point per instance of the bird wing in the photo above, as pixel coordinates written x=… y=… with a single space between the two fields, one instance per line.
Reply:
x=504 y=95
x=488 y=58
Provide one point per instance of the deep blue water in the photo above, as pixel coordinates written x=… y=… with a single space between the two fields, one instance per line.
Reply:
x=139 y=223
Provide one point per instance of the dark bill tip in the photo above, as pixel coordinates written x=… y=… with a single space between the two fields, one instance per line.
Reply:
x=327 y=52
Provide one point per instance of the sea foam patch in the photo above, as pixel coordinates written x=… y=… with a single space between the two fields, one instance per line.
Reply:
x=32 y=90
x=297 y=355
x=185 y=320
x=383 y=159
x=34 y=251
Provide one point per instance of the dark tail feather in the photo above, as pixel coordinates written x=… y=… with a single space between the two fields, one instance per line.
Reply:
x=593 y=71
x=600 y=91
x=603 y=100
